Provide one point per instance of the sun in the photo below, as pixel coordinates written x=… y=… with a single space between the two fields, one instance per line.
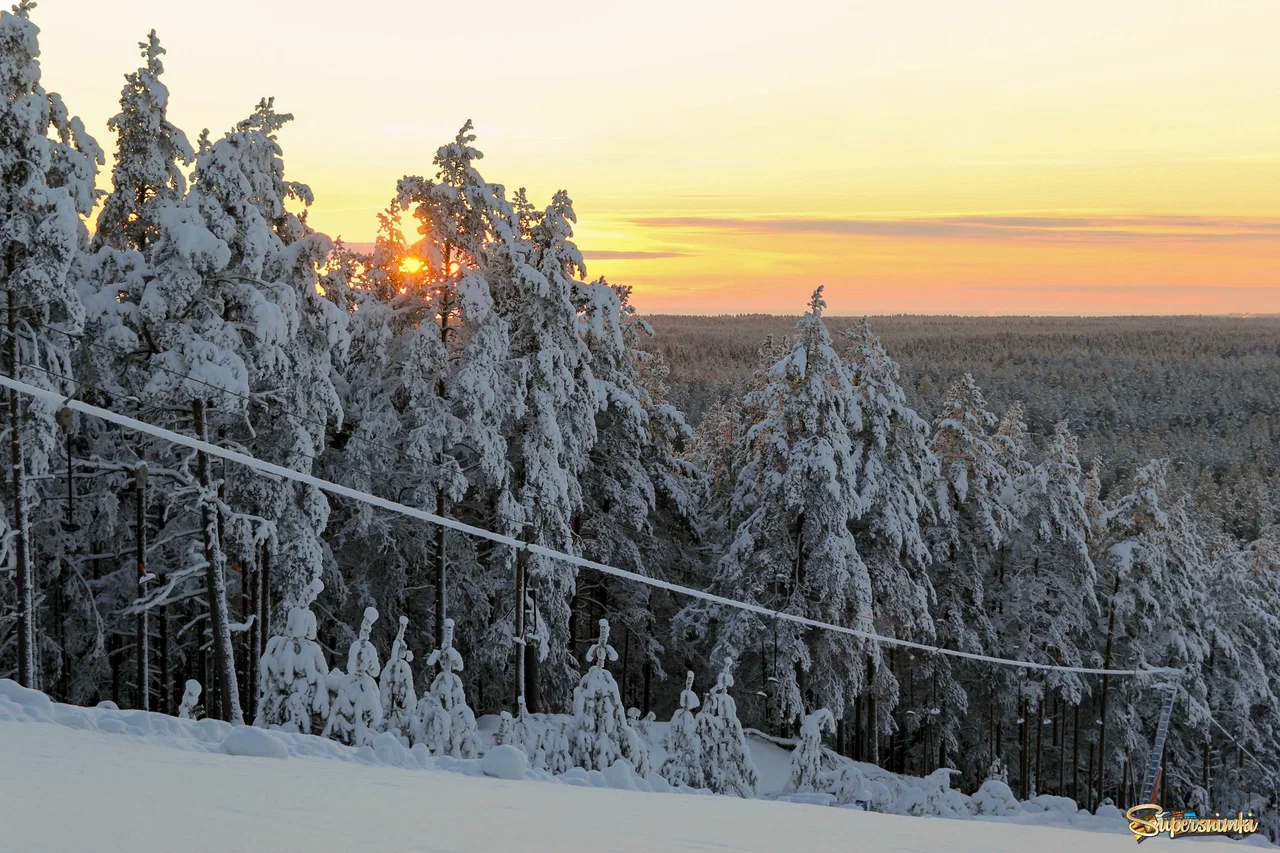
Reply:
x=412 y=264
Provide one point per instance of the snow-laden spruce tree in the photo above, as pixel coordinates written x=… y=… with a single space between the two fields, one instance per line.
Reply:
x=1150 y=546
x=684 y=745
x=355 y=716
x=599 y=729
x=445 y=723
x=806 y=759
x=557 y=749
x=288 y=336
x=395 y=685
x=792 y=547
x=150 y=154
x=552 y=432
x=726 y=761
x=47 y=168
x=975 y=522
x=291 y=678
x=897 y=478
x=640 y=497
x=1046 y=594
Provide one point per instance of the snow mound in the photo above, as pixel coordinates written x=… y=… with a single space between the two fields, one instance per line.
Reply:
x=995 y=798
x=254 y=742
x=505 y=762
x=619 y=776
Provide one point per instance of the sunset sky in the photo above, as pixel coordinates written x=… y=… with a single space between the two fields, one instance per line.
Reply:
x=942 y=157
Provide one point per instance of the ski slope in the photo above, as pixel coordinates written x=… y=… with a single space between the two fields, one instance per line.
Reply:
x=93 y=780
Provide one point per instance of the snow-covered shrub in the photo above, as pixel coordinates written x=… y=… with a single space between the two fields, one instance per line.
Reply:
x=850 y=786
x=806 y=760
x=356 y=714
x=728 y=768
x=994 y=797
x=291 y=675
x=934 y=797
x=443 y=720
x=395 y=685
x=556 y=749
x=684 y=748
x=599 y=721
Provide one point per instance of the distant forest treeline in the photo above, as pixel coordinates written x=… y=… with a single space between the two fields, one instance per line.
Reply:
x=1201 y=391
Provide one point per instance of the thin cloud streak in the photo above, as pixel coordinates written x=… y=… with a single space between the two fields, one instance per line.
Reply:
x=608 y=255
x=1040 y=228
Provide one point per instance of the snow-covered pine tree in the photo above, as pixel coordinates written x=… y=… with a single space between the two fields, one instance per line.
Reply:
x=355 y=716
x=395 y=685
x=428 y=378
x=792 y=549
x=726 y=761
x=806 y=759
x=48 y=164
x=599 y=728
x=446 y=701
x=684 y=746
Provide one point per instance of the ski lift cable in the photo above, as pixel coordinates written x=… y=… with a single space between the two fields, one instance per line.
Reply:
x=56 y=399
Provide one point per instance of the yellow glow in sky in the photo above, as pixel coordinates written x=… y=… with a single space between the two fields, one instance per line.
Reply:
x=983 y=157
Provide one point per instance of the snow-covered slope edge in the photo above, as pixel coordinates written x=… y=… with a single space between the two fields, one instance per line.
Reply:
x=151 y=734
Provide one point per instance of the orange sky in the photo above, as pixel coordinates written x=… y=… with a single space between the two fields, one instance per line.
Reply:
x=997 y=156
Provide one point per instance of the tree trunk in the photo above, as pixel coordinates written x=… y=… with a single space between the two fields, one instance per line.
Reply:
x=873 y=733
x=216 y=587
x=648 y=677
x=442 y=570
x=265 y=604
x=532 y=684
x=1075 y=757
x=142 y=643
x=522 y=557
x=21 y=524
x=166 y=678
x=1024 y=759
x=1106 y=685
x=1039 y=743
x=253 y=574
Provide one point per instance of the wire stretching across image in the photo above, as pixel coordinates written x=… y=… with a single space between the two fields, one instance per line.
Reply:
x=431 y=518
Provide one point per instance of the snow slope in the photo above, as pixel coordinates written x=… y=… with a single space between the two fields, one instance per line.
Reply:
x=78 y=779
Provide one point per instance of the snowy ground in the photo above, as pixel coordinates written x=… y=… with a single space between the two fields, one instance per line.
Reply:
x=105 y=781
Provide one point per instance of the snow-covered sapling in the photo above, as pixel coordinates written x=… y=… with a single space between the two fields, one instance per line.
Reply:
x=356 y=715
x=291 y=673
x=684 y=748
x=396 y=685
x=599 y=726
x=806 y=760
x=190 y=700
x=556 y=749
x=727 y=763
x=443 y=721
